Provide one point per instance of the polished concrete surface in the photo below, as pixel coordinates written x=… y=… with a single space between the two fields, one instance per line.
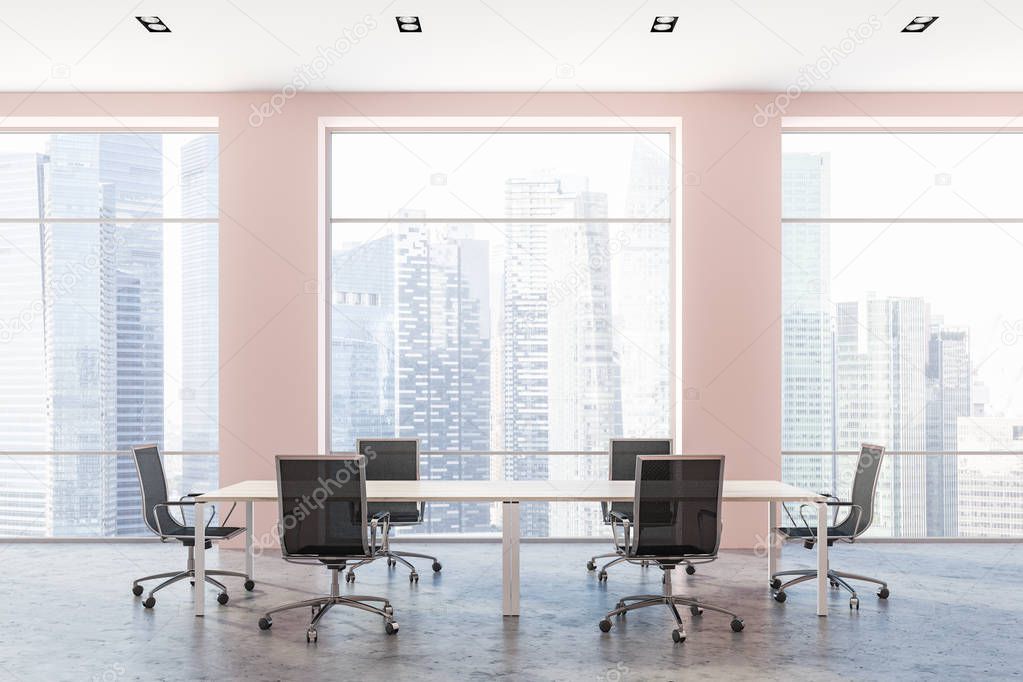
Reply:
x=954 y=613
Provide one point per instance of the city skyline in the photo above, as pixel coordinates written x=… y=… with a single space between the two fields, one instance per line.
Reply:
x=91 y=333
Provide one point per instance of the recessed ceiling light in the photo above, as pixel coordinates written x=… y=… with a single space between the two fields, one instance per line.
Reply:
x=154 y=24
x=663 y=24
x=409 y=24
x=919 y=24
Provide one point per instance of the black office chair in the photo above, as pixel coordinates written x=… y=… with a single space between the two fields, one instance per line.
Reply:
x=622 y=454
x=393 y=459
x=323 y=520
x=676 y=517
x=156 y=512
x=856 y=521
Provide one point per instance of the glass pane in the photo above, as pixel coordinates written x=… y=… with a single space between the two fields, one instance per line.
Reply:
x=984 y=501
x=902 y=175
x=479 y=338
x=109 y=338
x=910 y=336
x=504 y=174
x=100 y=175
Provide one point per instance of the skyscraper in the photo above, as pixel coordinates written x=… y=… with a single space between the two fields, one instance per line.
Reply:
x=640 y=256
x=948 y=398
x=199 y=313
x=989 y=487
x=24 y=495
x=807 y=339
x=411 y=353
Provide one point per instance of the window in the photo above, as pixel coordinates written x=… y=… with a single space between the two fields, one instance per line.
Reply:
x=902 y=325
x=501 y=292
x=108 y=323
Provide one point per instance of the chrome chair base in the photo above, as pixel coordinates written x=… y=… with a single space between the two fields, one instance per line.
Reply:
x=395 y=557
x=320 y=606
x=618 y=558
x=836 y=578
x=188 y=573
x=672 y=601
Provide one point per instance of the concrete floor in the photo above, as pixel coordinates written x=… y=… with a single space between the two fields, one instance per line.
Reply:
x=68 y=614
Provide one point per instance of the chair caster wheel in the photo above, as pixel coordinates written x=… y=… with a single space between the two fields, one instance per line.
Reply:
x=780 y=597
x=413 y=577
x=677 y=636
x=249 y=585
x=349 y=577
x=618 y=606
x=136 y=590
x=854 y=603
x=644 y=564
x=149 y=603
x=391 y=563
x=265 y=623
x=590 y=566
x=696 y=610
x=602 y=576
x=389 y=610
x=737 y=625
x=310 y=636
x=391 y=628
x=775 y=583
x=834 y=585
x=437 y=566
x=883 y=593
x=604 y=625
x=222 y=598
x=690 y=569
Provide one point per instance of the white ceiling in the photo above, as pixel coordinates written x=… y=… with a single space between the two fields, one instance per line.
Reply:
x=510 y=45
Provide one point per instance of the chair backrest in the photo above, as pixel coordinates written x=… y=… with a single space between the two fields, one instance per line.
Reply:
x=153 y=484
x=864 y=485
x=392 y=459
x=322 y=506
x=622 y=463
x=677 y=510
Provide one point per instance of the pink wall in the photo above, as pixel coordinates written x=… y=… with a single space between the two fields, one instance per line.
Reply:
x=731 y=270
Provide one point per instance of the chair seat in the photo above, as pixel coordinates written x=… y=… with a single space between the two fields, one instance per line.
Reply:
x=803 y=533
x=400 y=512
x=186 y=534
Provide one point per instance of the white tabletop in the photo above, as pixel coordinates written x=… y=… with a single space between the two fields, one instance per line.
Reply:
x=515 y=491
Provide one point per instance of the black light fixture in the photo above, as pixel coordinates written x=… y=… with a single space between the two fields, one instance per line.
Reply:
x=409 y=24
x=663 y=24
x=154 y=24
x=919 y=25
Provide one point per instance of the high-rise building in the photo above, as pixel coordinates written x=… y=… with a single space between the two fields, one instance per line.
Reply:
x=97 y=327
x=561 y=383
x=881 y=397
x=807 y=338
x=949 y=384
x=25 y=492
x=411 y=353
x=640 y=256
x=199 y=313
x=990 y=487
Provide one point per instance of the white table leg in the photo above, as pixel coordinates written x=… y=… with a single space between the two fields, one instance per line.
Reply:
x=772 y=540
x=250 y=538
x=510 y=557
x=200 y=558
x=822 y=559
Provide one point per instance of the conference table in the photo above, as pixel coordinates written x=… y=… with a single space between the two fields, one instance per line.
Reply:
x=510 y=494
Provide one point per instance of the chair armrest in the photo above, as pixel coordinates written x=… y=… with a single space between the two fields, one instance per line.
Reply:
x=181 y=504
x=374 y=522
x=619 y=519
